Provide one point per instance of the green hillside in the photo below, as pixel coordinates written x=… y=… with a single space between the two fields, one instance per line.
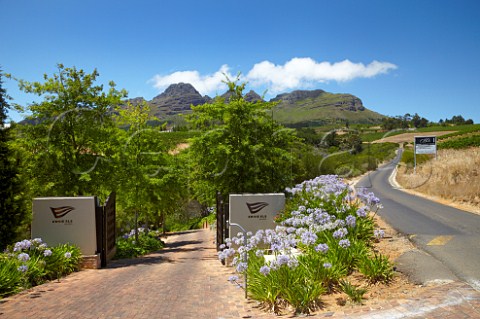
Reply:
x=322 y=108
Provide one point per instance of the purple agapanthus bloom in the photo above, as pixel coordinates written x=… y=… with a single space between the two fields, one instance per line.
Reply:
x=23 y=257
x=265 y=270
x=340 y=233
x=309 y=238
x=362 y=212
x=379 y=233
x=322 y=248
x=241 y=267
x=344 y=243
x=351 y=221
x=283 y=260
x=23 y=268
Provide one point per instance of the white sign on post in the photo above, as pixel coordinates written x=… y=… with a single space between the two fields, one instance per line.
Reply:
x=254 y=211
x=425 y=144
x=61 y=220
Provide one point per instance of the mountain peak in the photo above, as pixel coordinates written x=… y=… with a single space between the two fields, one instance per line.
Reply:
x=178 y=89
x=251 y=96
x=177 y=98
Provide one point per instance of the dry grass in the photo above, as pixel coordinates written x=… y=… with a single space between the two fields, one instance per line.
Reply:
x=454 y=176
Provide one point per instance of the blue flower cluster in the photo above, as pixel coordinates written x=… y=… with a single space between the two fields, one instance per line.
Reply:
x=337 y=213
x=23 y=249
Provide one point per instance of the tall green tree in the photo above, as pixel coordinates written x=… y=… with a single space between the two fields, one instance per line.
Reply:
x=241 y=148
x=152 y=182
x=68 y=135
x=13 y=212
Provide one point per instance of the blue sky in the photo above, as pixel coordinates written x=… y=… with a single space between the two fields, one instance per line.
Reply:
x=397 y=56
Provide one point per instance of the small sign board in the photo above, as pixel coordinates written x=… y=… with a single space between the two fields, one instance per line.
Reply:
x=255 y=211
x=61 y=220
x=425 y=144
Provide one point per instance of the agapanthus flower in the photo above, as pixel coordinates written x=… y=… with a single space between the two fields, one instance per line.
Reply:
x=362 y=212
x=378 y=233
x=327 y=265
x=23 y=257
x=241 y=267
x=309 y=238
x=340 y=233
x=47 y=252
x=291 y=230
x=322 y=248
x=37 y=241
x=351 y=221
x=283 y=260
x=264 y=270
x=22 y=268
x=233 y=278
x=344 y=243
x=68 y=255
x=22 y=245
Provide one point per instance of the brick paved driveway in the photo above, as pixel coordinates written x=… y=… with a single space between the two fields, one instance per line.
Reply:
x=185 y=280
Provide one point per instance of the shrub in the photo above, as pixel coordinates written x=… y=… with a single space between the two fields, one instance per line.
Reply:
x=377 y=268
x=10 y=276
x=148 y=242
x=64 y=260
x=31 y=262
x=353 y=292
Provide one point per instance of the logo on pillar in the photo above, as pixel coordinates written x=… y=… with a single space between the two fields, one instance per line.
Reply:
x=256 y=207
x=59 y=212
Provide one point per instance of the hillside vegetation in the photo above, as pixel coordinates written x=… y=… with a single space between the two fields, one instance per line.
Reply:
x=322 y=109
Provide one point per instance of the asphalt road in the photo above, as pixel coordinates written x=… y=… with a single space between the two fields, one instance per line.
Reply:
x=450 y=235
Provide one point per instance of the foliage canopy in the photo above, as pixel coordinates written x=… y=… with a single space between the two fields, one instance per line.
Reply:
x=241 y=148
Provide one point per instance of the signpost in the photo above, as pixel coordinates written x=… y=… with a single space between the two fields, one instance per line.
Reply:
x=424 y=145
x=255 y=211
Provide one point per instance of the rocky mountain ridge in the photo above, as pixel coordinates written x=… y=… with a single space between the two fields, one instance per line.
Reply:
x=296 y=106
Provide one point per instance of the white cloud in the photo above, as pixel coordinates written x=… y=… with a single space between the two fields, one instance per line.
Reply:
x=294 y=74
x=205 y=84
x=305 y=72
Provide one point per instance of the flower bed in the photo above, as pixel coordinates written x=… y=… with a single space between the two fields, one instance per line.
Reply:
x=324 y=235
x=31 y=262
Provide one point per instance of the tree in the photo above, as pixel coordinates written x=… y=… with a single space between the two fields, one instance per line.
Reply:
x=12 y=206
x=241 y=149
x=69 y=135
x=151 y=181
